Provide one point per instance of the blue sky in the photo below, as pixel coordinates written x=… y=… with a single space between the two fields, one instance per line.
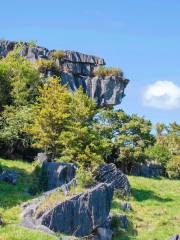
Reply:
x=141 y=37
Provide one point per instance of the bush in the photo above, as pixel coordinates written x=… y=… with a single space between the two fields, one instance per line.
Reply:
x=173 y=167
x=85 y=177
x=159 y=153
x=105 y=71
x=58 y=54
x=45 y=65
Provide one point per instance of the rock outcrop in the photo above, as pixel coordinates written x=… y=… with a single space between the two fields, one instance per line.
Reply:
x=56 y=174
x=109 y=173
x=147 y=170
x=77 y=69
x=79 y=216
x=177 y=237
x=9 y=176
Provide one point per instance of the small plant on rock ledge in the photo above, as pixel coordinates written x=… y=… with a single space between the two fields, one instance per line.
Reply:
x=58 y=54
x=107 y=71
x=45 y=65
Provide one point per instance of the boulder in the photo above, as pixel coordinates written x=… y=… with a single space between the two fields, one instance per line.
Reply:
x=41 y=157
x=9 y=176
x=79 y=215
x=176 y=237
x=108 y=173
x=56 y=174
x=104 y=234
x=147 y=170
x=126 y=206
x=1 y=221
x=124 y=221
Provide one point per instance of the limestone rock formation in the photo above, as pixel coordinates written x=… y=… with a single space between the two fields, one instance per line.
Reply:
x=176 y=237
x=79 y=216
x=108 y=173
x=56 y=174
x=77 y=69
x=9 y=176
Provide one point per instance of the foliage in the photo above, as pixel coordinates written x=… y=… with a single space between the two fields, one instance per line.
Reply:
x=20 y=79
x=5 y=87
x=173 y=167
x=81 y=142
x=169 y=136
x=62 y=125
x=107 y=71
x=58 y=54
x=13 y=123
x=159 y=153
x=85 y=177
x=130 y=135
x=44 y=65
x=51 y=113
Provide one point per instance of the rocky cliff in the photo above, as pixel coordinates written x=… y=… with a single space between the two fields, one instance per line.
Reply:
x=77 y=69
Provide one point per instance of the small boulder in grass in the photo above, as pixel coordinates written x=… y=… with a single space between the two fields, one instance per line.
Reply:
x=126 y=206
x=176 y=237
x=124 y=221
x=1 y=221
x=9 y=176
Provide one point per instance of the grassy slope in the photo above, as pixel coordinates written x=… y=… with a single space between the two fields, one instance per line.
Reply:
x=155 y=202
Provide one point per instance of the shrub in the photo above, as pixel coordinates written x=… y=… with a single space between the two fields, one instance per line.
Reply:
x=173 y=167
x=159 y=153
x=85 y=177
x=108 y=71
x=45 y=65
x=58 y=54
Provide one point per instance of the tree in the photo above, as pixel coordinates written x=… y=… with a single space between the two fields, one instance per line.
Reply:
x=173 y=167
x=81 y=142
x=20 y=79
x=5 y=87
x=159 y=153
x=130 y=135
x=13 y=124
x=63 y=125
x=51 y=114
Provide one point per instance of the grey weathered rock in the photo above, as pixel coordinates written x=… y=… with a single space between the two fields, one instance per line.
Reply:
x=41 y=157
x=104 y=234
x=126 y=206
x=9 y=176
x=56 y=174
x=124 y=221
x=1 y=221
x=80 y=215
x=77 y=69
x=147 y=170
x=176 y=237
x=109 y=173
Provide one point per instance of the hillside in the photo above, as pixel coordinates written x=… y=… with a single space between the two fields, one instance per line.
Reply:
x=155 y=204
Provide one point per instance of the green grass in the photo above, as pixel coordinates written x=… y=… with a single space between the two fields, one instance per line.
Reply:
x=155 y=203
x=11 y=198
x=156 y=209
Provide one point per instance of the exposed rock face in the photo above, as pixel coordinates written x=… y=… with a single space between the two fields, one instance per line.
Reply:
x=80 y=215
x=147 y=170
x=56 y=174
x=177 y=237
x=108 y=173
x=9 y=176
x=77 y=70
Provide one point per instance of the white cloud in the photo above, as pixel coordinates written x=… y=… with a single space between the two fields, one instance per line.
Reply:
x=162 y=95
